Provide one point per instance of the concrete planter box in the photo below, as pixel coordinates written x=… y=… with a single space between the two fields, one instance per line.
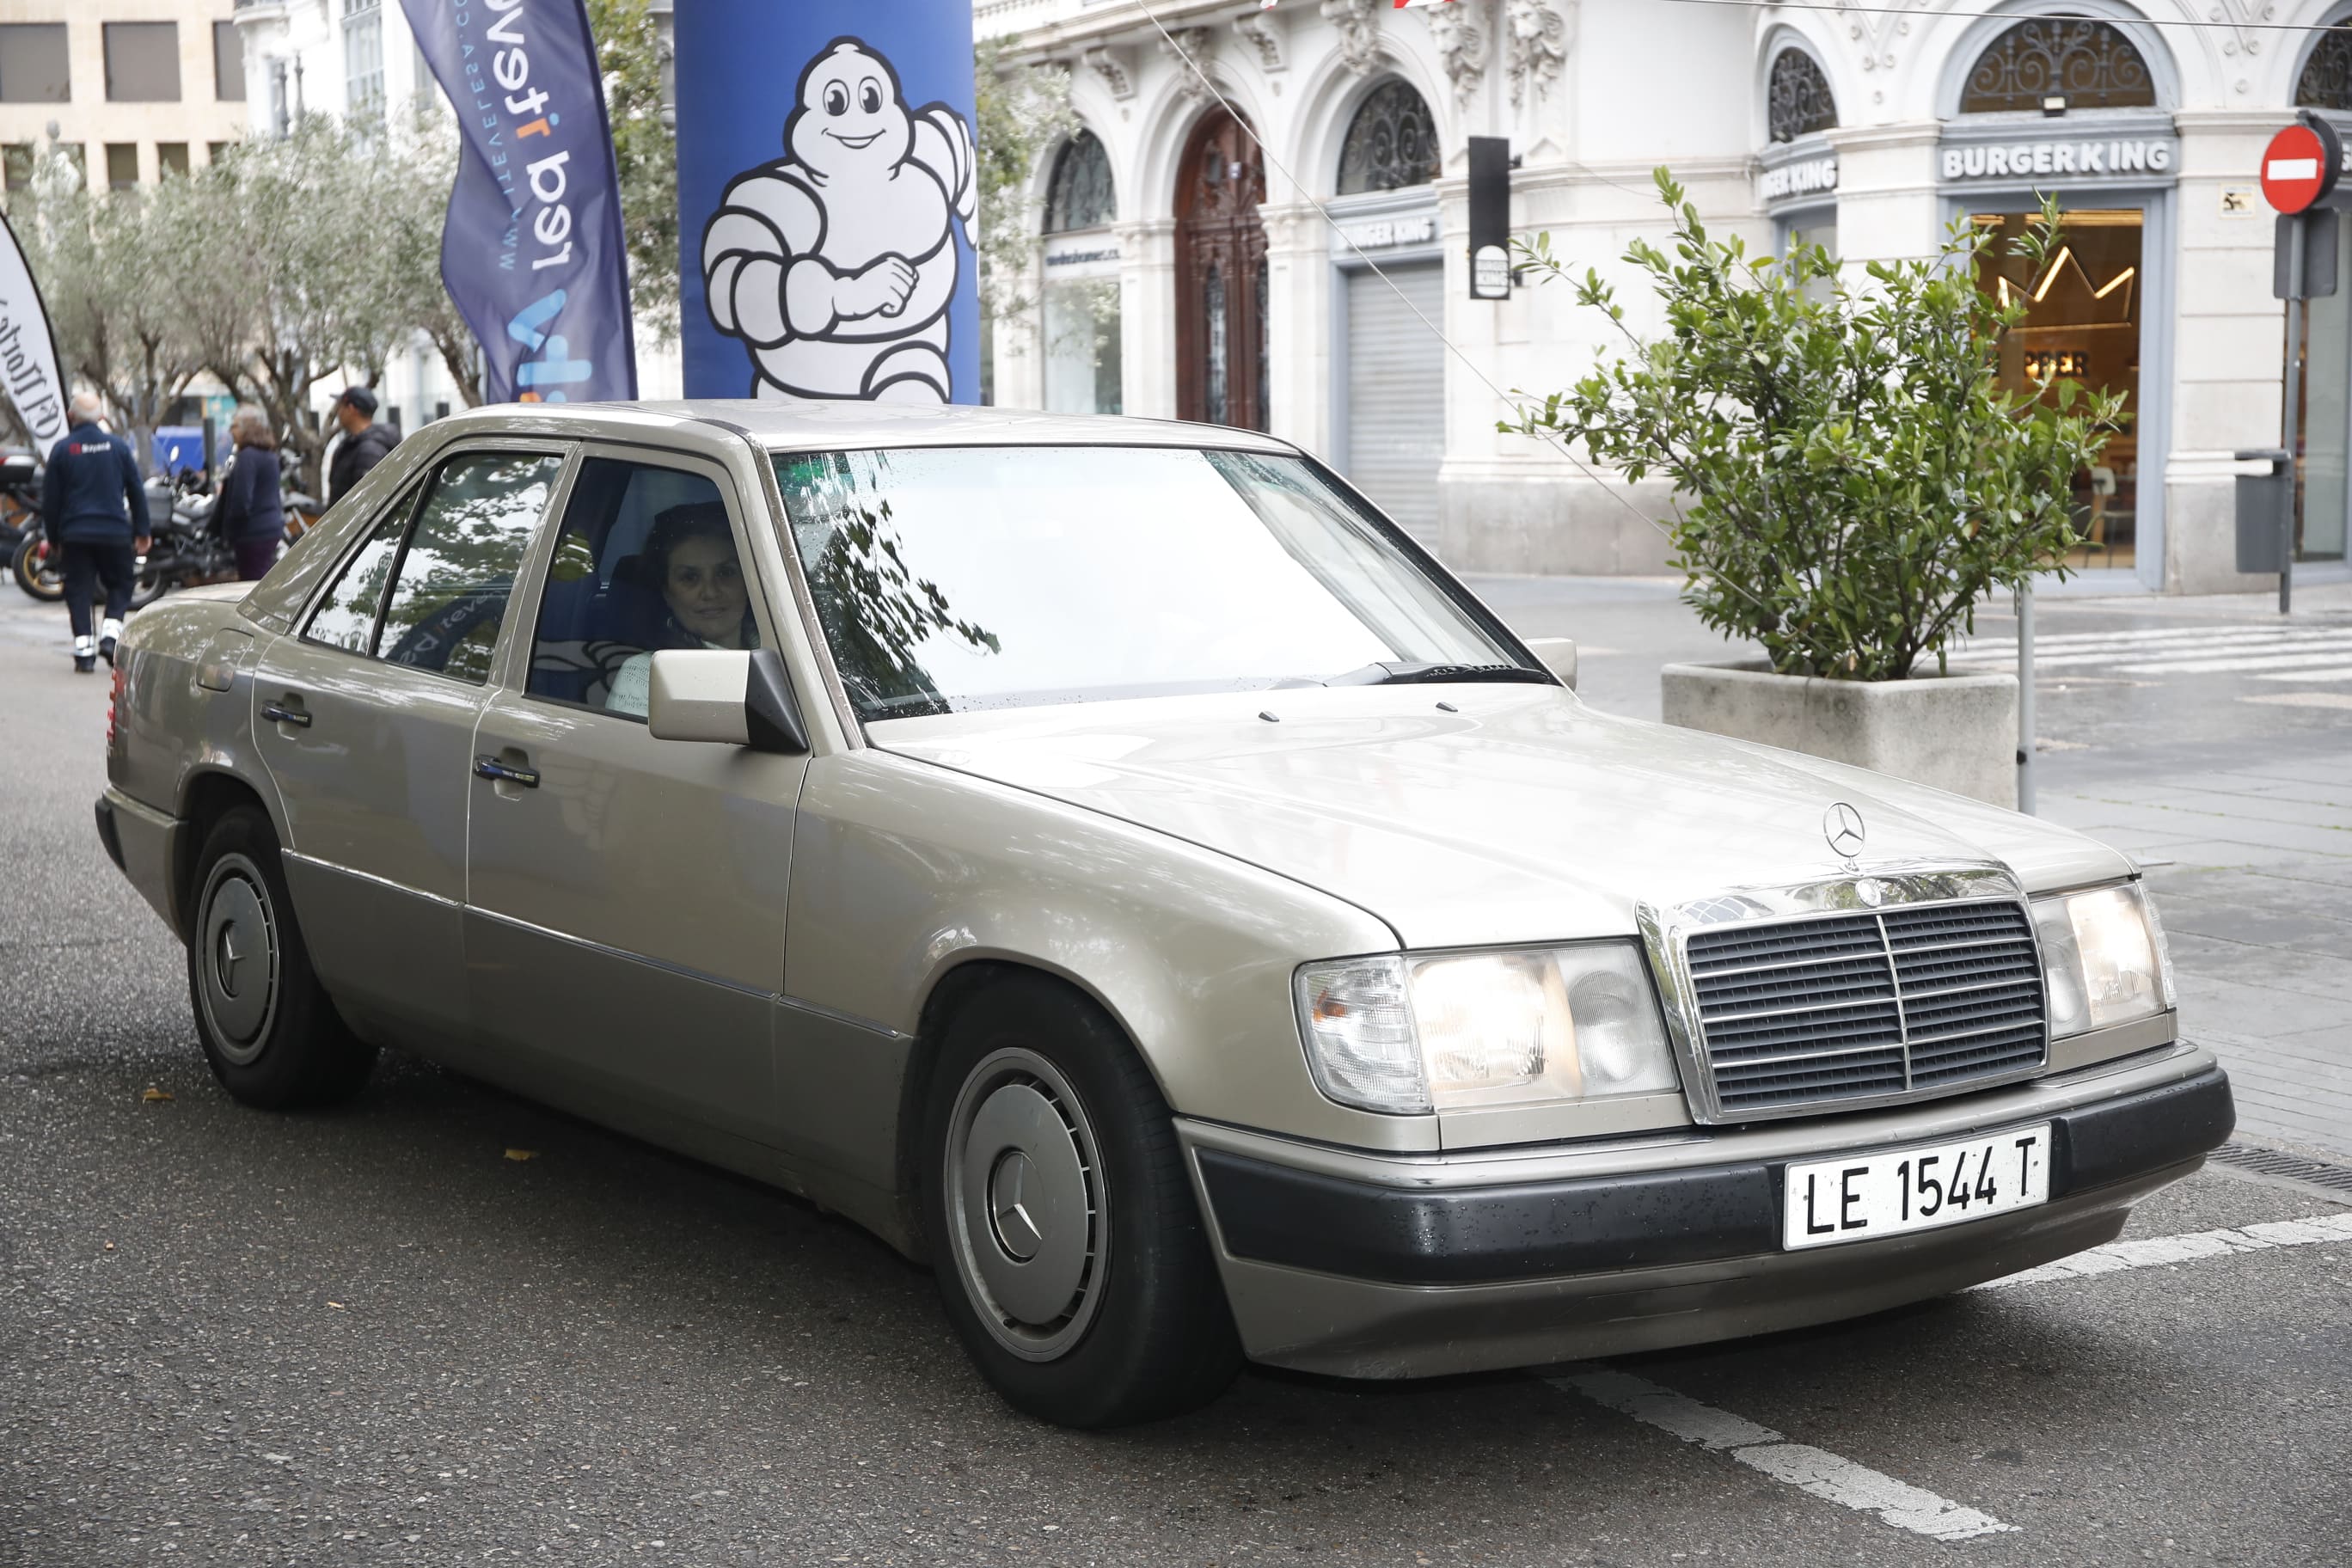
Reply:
x=1955 y=731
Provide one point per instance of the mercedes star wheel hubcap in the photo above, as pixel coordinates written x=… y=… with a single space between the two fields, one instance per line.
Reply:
x=239 y=973
x=1027 y=1196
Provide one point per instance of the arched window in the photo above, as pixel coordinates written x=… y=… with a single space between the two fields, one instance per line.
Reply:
x=1391 y=142
x=2079 y=62
x=2326 y=79
x=1079 y=196
x=1799 y=102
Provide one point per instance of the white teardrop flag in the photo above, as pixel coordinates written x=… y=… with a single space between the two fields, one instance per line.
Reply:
x=28 y=350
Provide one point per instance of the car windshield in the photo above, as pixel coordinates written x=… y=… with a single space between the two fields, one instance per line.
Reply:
x=951 y=579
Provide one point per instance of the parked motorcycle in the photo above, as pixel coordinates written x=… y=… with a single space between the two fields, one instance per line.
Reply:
x=184 y=549
x=30 y=557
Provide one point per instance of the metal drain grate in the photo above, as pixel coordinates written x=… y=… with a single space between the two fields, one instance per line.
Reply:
x=2293 y=1167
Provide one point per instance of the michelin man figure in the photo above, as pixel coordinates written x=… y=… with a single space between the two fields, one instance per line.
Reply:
x=836 y=263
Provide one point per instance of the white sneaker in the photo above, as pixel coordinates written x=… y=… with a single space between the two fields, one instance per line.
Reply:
x=108 y=631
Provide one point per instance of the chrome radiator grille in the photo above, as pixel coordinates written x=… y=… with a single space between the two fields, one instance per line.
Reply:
x=1867 y=1005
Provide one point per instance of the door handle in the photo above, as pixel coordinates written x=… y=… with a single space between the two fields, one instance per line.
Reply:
x=278 y=713
x=505 y=773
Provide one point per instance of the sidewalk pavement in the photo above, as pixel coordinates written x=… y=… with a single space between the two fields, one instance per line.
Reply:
x=2240 y=813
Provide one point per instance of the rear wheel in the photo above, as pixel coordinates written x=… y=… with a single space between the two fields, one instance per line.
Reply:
x=270 y=1031
x=1069 y=1251
x=37 y=570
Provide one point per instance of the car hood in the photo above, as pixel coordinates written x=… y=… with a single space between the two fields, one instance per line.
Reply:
x=1511 y=813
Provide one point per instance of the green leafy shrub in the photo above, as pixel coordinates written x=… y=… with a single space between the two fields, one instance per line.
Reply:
x=1850 y=477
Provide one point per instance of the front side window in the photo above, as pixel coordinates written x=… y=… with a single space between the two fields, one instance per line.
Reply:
x=962 y=578
x=646 y=559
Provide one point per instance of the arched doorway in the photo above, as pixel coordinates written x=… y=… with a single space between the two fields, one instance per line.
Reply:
x=1220 y=277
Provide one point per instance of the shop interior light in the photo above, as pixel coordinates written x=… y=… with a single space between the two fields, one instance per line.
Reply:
x=2055 y=105
x=2117 y=281
x=2057 y=264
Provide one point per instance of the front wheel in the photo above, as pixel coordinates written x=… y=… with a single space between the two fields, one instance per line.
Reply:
x=1069 y=1251
x=270 y=1031
x=36 y=568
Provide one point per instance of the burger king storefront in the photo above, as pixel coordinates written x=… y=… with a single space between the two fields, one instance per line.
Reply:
x=2160 y=287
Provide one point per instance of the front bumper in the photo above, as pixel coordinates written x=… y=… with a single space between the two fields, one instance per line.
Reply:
x=1376 y=1266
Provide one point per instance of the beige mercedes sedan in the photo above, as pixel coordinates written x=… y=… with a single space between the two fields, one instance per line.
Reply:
x=1116 y=865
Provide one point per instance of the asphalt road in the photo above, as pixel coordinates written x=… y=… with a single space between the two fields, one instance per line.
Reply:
x=376 y=1335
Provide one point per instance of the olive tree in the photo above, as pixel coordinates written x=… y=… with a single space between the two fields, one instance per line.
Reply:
x=100 y=257
x=1850 y=478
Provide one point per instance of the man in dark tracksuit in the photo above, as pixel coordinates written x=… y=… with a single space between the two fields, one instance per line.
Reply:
x=96 y=512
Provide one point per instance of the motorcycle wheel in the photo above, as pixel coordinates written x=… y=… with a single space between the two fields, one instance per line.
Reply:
x=150 y=585
x=38 y=573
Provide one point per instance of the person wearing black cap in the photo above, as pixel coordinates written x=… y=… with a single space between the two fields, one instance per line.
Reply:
x=364 y=442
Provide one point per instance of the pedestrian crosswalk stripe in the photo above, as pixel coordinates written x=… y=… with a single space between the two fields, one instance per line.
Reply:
x=2175 y=634
x=2226 y=648
x=2317 y=654
x=2325 y=672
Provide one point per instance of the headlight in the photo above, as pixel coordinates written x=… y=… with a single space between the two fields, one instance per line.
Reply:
x=1407 y=1034
x=2103 y=959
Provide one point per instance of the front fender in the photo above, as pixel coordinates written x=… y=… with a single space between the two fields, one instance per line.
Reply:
x=904 y=872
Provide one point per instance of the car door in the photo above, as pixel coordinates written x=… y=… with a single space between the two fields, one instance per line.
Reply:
x=365 y=717
x=624 y=926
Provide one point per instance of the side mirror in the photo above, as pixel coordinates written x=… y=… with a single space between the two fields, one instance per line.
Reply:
x=725 y=696
x=1559 y=656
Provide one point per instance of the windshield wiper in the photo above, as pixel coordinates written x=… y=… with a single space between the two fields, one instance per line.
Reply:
x=1399 y=674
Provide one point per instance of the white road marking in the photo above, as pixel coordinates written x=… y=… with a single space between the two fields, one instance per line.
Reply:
x=2313 y=655
x=1808 y=1468
x=2075 y=642
x=2154 y=1251
x=2201 y=647
x=2332 y=672
x=2302 y=698
x=2167 y=654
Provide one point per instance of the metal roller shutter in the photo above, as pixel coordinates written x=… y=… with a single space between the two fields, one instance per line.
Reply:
x=1396 y=389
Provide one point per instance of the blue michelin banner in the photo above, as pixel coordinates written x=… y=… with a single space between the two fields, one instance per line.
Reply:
x=826 y=200
x=533 y=249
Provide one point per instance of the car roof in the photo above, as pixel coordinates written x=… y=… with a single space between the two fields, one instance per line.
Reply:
x=817 y=425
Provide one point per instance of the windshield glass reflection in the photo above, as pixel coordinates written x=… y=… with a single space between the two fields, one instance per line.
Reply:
x=962 y=578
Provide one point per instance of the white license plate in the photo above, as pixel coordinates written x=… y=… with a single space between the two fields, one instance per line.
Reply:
x=1864 y=1197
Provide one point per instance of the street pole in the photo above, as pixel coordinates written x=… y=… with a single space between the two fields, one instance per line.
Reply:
x=2294 y=286
x=2025 y=698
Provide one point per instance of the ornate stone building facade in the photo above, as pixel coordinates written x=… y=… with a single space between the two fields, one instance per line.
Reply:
x=1273 y=229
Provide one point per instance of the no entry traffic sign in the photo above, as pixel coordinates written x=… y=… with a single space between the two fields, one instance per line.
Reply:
x=2299 y=166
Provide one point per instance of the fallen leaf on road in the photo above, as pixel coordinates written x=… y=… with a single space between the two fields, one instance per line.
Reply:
x=155 y=1094
x=522 y=1153
x=338 y=1306
x=110 y=1246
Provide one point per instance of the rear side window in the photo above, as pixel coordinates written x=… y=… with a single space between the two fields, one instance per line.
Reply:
x=450 y=590
x=345 y=618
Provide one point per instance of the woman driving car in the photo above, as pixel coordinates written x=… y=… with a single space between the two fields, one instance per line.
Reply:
x=690 y=556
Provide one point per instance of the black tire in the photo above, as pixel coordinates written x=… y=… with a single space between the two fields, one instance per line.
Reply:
x=150 y=585
x=44 y=584
x=1145 y=1332
x=270 y=1032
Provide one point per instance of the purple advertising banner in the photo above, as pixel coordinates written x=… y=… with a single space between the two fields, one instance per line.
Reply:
x=532 y=250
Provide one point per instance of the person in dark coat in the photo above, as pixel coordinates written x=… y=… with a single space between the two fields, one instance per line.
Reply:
x=364 y=442
x=97 y=511
x=251 y=515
